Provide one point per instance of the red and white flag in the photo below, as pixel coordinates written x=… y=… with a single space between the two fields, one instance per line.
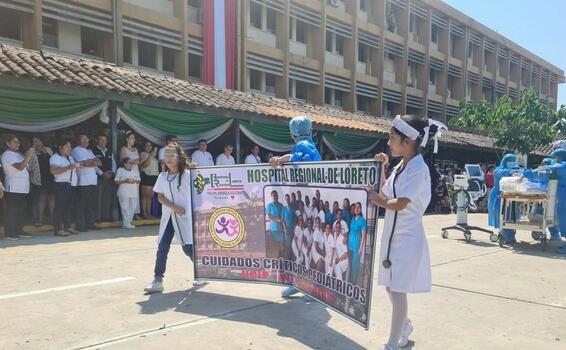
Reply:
x=219 y=27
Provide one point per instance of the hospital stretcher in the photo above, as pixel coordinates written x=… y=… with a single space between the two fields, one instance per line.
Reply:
x=528 y=212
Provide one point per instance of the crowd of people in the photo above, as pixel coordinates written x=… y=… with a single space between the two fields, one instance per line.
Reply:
x=309 y=232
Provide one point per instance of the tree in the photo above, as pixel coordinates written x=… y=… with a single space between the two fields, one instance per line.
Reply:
x=559 y=121
x=520 y=127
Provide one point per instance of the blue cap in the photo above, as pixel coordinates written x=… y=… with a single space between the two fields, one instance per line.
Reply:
x=559 y=153
x=301 y=127
x=548 y=161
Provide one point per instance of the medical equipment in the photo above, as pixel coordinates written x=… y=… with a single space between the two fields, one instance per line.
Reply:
x=466 y=190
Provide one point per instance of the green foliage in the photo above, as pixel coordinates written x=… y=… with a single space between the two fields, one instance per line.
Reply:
x=559 y=121
x=520 y=127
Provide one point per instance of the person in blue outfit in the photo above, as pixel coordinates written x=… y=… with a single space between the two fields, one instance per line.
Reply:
x=303 y=151
x=288 y=214
x=559 y=170
x=356 y=241
x=508 y=163
x=276 y=232
x=542 y=175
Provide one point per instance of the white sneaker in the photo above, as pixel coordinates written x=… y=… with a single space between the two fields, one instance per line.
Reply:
x=128 y=227
x=198 y=283
x=154 y=287
x=407 y=330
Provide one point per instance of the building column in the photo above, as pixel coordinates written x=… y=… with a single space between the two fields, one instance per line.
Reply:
x=32 y=28
x=282 y=84
x=118 y=40
x=180 y=10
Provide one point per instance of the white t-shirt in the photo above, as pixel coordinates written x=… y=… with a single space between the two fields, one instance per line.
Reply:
x=223 y=160
x=322 y=217
x=87 y=176
x=202 y=158
x=58 y=161
x=127 y=190
x=298 y=235
x=252 y=159
x=16 y=181
x=343 y=227
x=318 y=237
x=161 y=154
x=329 y=244
x=341 y=247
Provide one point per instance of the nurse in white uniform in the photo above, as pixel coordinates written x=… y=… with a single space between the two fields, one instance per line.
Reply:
x=404 y=257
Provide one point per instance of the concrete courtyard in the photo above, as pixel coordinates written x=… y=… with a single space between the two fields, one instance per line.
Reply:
x=86 y=292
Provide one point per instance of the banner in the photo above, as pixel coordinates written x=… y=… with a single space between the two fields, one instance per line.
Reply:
x=307 y=225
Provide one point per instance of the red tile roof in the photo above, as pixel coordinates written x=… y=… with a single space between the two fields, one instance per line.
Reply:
x=107 y=77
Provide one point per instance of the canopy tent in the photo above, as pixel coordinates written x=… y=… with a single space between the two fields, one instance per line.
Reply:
x=40 y=111
x=348 y=144
x=154 y=123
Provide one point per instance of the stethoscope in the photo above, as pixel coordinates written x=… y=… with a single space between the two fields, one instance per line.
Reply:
x=170 y=180
x=387 y=262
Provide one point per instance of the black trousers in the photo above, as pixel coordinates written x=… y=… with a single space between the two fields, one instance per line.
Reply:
x=15 y=213
x=64 y=203
x=86 y=207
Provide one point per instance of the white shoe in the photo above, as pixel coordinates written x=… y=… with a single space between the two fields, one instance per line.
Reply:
x=129 y=227
x=154 y=287
x=407 y=330
x=387 y=347
x=198 y=283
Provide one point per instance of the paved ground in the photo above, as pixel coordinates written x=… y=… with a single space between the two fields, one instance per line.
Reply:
x=85 y=292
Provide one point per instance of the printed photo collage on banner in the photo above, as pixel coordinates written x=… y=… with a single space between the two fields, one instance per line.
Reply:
x=308 y=225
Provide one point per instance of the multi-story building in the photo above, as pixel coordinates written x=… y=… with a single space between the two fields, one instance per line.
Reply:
x=382 y=57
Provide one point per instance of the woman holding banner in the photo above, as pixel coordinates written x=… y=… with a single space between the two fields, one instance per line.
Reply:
x=405 y=261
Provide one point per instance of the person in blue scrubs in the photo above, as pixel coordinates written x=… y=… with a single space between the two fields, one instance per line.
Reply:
x=356 y=241
x=276 y=233
x=542 y=175
x=559 y=170
x=303 y=151
x=288 y=215
x=508 y=163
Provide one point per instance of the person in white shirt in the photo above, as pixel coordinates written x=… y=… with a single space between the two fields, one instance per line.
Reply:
x=308 y=233
x=329 y=249
x=226 y=157
x=317 y=251
x=297 y=244
x=17 y=186
x=253 y=157
x=343 y=225
x=341 y=263
x=173 y=188
x=86 y=190
x=161 y=154
x=201 y=156
x=64 y=170
x=127 y=179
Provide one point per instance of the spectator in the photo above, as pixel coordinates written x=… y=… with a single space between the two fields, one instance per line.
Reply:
x=489 y=182
x=105 y=172
x=86 y=187
x=128 y=179
x=201 y=156
x=17 y=186
x=268 y=156
x=129 y=150
x=41 y=182
x=149 y=172
x=64 y=170
x=328 y=156
x=253 y=157
x=449 y=177
x=226 y=157
x=169 y=139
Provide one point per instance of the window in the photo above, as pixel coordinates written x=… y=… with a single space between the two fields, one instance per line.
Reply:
x=168 y=60
x=434 y=34
x=195 y=66
x=147 y=54
x=362 y=53
x=334 y=43
x=333 y=97
x=453 y=45
x=471 y=51
x=127 y=48
x=338 y=98
x=362 y=103
x=414 y=24
x=364 y=5
x=328 y=92
x=432 y=77
x=301 y=32
x=50 y=33
x=11 y=24
x=195 y=10
x=297 y=89
x=255 y=80
x=271 y=21
x=269 y=83
x=256 y=15
x=92 y=42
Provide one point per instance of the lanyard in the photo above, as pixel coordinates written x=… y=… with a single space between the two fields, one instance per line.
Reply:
x=387 y=263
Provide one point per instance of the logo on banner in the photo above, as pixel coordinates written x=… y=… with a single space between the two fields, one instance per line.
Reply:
x=200 y=182
x=226 y=227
